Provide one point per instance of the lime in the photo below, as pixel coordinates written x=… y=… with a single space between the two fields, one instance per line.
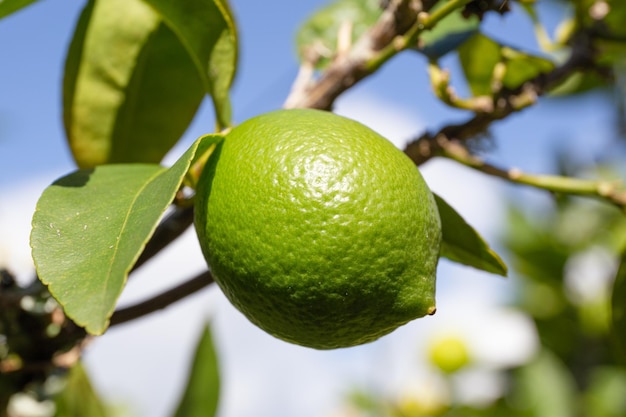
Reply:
x=318 y=229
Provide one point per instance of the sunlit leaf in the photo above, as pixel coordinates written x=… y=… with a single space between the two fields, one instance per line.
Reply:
x=448 y=34
x=78 y=398
x=202 y=392
x=207 y=29
x=479 y=55
x=8 y=7
x=462 y=244
x=90 y=227
x=130 y=87
x=320 y=32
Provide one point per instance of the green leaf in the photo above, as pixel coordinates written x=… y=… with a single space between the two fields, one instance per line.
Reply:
x=478 y=57
x=78 y=398
x=207 y=29
x=320 y=32
x=8 y=7
x=605 y=393
x=90 y=227
x=578 y=82
x=130 y=87
x=616 y=17
x=201 y=395
x=462 y=244
x=545 y=387
x=453 y=31
x=521 y=67
x=618 y=333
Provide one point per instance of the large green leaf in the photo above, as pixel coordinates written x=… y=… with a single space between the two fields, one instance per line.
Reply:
x=130 y=87
x=618 y=332
x=320 y=32
x=90 y=227
x=207 y=29
x=462 y=244
x=201 y=395
x=8 y=7
x=78 y=398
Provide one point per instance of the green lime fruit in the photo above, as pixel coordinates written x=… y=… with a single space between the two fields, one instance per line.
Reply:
x=319 y=230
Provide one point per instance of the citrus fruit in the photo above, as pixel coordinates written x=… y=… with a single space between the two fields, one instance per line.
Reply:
x=318 y=229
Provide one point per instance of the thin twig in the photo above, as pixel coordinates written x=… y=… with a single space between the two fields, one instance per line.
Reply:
x=507 y=102
x=611 y=191
x=162 y=300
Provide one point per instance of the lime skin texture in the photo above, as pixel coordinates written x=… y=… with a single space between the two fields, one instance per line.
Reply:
x=319 y=230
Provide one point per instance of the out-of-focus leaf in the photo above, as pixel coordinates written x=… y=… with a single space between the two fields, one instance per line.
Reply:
x=90 y=227
x=321 y=31
x=130 y=87
x=545 y=388
x=521 y=67
x=207 y=29
x=78 y=398
x=8 y=7
x=448 y=34
x=616 y=17
x=462 y=244
x=201 y=395
x=605 y=395
x=618 y=332
x=578 y=82
x=479 y=55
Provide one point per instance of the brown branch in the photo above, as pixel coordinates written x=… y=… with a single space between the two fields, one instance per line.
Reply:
x=162 y=300
x=350 y=67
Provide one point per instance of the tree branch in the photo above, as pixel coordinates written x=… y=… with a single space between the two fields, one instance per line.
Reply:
x=174 y=225
x=397 y=29
x=505 y=103
x=611 y=191
x=162 y=300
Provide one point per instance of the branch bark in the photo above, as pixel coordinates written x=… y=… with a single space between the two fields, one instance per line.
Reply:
x=396 y=30
x=162 y=300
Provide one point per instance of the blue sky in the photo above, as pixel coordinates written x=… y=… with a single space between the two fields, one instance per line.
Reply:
x=139 y=363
